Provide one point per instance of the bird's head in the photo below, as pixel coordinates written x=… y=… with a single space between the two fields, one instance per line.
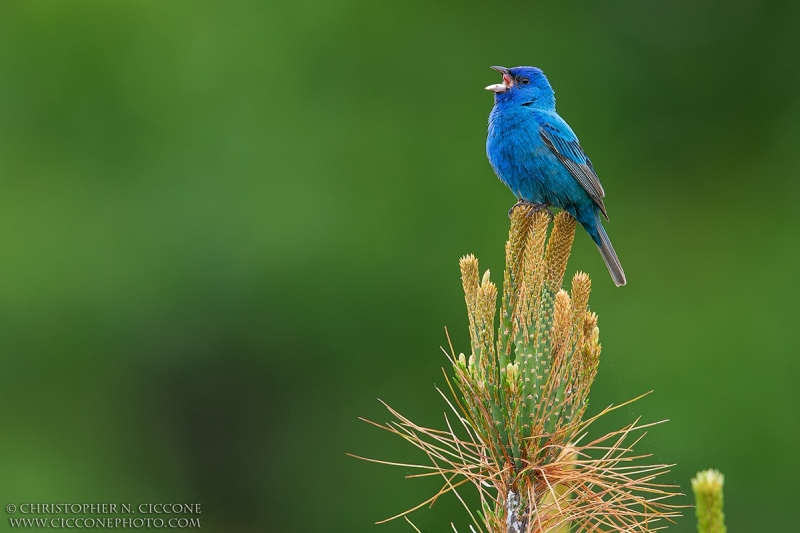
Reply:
x=523 y=86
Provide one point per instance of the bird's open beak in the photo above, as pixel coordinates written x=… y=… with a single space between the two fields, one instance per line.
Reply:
x=507 y=81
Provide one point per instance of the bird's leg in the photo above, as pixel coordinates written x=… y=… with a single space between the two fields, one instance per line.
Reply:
x=536 y=207
x=519 y=203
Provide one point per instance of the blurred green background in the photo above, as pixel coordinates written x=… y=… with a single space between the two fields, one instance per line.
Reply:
x=228 y=227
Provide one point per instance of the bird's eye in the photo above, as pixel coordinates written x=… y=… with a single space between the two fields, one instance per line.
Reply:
x=524 y=80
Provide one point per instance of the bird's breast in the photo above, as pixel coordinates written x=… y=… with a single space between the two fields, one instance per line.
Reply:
x=517 y=153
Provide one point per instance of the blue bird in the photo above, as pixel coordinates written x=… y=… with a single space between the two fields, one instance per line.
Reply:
x=536 y=154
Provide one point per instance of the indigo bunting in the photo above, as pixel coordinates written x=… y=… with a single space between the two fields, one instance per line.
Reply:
x=536 y=154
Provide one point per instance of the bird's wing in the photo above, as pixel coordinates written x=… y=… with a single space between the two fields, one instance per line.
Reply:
x=565 y=145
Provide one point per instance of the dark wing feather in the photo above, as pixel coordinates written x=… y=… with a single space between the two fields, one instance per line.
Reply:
x=571 y=155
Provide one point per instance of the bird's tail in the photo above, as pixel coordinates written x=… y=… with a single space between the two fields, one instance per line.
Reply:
x=609 y=255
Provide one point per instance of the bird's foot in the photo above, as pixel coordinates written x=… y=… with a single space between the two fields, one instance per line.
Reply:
x=536 y=208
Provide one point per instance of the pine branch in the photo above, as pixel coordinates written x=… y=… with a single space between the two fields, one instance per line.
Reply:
x=520 y=399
